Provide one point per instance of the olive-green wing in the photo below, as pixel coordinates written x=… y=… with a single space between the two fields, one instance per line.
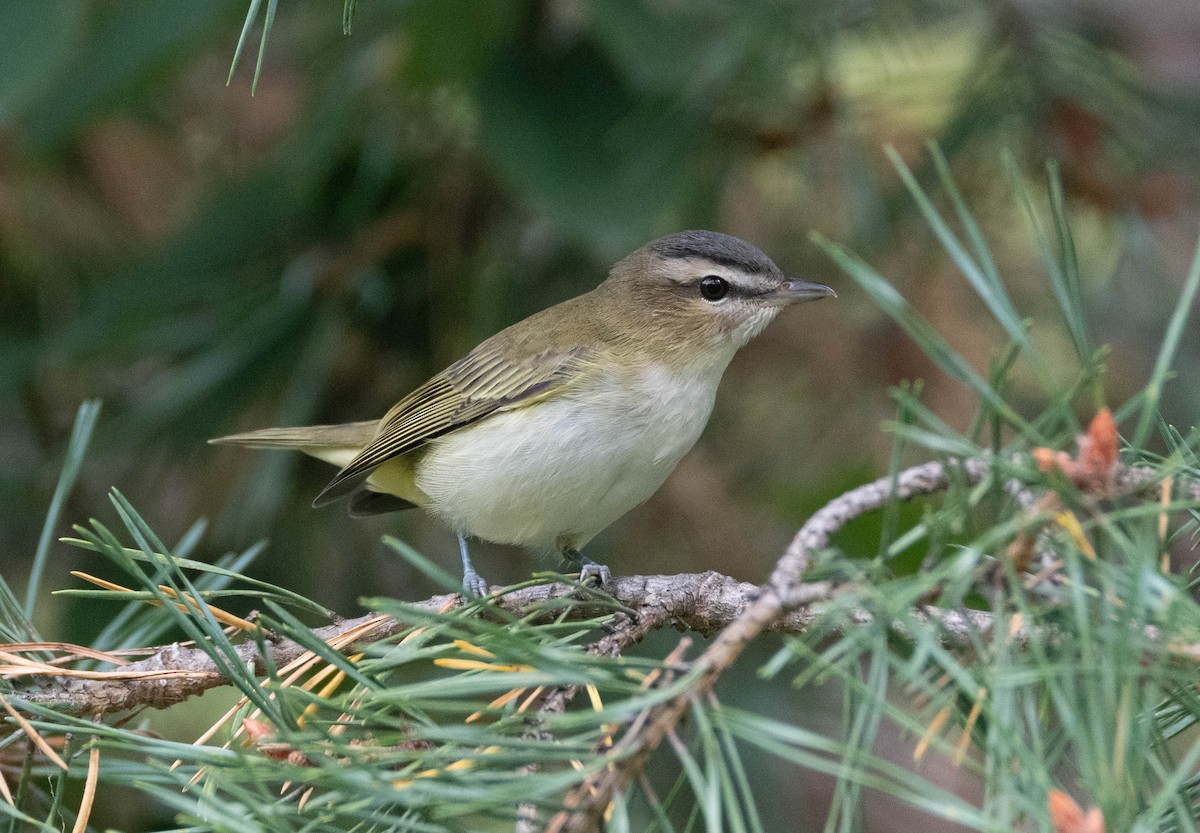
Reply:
x=481 y=383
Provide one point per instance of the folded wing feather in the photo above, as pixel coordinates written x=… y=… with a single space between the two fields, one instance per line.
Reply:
x=484 y=382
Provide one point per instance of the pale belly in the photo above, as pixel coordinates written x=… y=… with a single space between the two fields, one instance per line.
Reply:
x=554 y=475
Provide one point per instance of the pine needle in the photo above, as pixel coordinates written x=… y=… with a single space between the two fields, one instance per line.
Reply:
x=89 y=791
x=935 y=726
x=220 y=615
x=75 y=652
x=33 y=734
x=964 y=742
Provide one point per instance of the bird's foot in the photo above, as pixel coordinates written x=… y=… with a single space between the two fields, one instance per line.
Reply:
x=473 y=585
x=591 y=569
x=587 y=567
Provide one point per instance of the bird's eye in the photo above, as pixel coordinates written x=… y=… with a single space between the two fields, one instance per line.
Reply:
x=713 y=288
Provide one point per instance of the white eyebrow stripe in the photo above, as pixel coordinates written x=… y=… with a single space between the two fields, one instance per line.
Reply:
x=749 y=285
x=743 y=284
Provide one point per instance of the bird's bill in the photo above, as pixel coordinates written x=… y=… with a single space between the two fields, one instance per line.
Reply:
x=794 y=292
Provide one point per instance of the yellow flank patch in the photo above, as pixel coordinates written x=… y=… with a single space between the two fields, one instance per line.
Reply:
x=396 y=476
x=333 y=455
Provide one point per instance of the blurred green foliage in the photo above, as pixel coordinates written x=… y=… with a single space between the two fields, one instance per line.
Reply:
x=204 y=260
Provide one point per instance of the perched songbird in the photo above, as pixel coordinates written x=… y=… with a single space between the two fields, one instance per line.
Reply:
x=550 y=430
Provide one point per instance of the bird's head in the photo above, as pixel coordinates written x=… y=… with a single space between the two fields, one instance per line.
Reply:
x=700 y=291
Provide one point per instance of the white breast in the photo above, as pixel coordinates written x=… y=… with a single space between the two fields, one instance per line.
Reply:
x=555 y=474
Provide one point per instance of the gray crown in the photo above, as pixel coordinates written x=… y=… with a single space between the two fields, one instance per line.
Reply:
x=724 y=249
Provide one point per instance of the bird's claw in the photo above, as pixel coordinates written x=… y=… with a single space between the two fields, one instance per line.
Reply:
x=590 y=569
x=473 y=585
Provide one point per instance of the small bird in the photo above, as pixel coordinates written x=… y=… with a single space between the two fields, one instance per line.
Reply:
x=550 y=430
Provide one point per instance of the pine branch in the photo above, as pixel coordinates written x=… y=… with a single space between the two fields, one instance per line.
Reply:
x=779 y=598
x=699 y=602
x=704 y=603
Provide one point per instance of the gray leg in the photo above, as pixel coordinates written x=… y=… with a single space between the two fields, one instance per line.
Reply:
x=473 y=584
x=587 y=567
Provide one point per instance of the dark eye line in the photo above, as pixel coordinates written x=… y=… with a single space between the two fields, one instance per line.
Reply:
x=734 y=289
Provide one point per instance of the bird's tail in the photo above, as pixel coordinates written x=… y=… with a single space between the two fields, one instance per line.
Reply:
x=336 y=444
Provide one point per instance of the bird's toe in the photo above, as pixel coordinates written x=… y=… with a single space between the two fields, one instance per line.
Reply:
x=474 y=586
x=598 y=571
